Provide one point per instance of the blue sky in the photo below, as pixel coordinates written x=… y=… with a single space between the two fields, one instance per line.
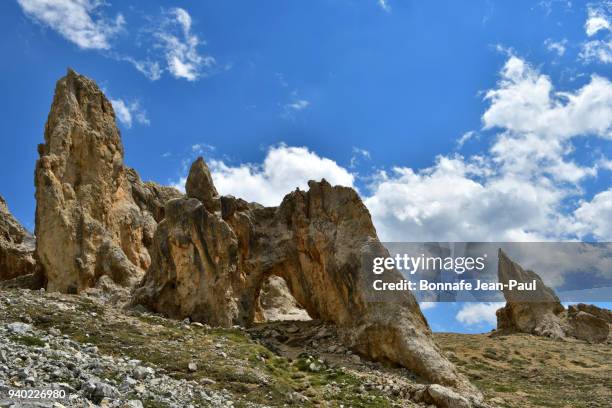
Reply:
x=481 y=120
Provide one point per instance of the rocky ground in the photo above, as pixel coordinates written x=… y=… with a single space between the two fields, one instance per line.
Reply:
x=103 y=355
x=108 y=356
x=523 y=370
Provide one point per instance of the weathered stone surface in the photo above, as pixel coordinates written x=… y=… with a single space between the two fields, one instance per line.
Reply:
x=604 y=314
x=210 y=267
x=541 y=313
x=16 y=246
x=88 y=221
x=589 y=322
x=200 y=185
x=150 y=196
x=534 y=312
x=277 y=303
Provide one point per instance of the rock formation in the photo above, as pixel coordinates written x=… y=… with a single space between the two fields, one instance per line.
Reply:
x=16 y=246
x=93 y=215
x=589 y=322
x=530 y=312
x=541 y=313
x=277 y=303
x=211 y=255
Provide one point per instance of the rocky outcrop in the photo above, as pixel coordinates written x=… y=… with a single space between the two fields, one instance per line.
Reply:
x=589 y=322
x=16 y=246
x=541 y=313
x=94 y=216
x=210 y=266
x=534 y=312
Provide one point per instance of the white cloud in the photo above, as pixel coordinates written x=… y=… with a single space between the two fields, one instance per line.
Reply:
x=478 y=313
x=597 y=50
x=526 y=102
x=595 y=216
x=521 y=189
x=516 y=191
x=298 y=105
x=605 y=164
x=465 y=138
x=284 y=169
x=427 y=305
x=127 y=113
x=358 y=154
x=150 y=69
x=597 y=20
x=384 y=4
x=169 y=41
x=78 y=21
x=556 y=46
x=180 y=46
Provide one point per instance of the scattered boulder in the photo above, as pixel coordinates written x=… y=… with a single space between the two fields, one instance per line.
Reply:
x=16 y=247
x=94 y=216
x=211 y=267
x=444 y=397
x=541 y=313
x=589 y=323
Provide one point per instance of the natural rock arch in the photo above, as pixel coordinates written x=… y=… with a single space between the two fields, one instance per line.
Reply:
x=211 y=254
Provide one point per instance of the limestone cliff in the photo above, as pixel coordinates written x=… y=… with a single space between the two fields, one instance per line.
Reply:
x=93 y=215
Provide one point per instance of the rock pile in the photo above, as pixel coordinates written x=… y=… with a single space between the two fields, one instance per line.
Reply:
x=94 y=216
x=31 y=357
x=541 y=313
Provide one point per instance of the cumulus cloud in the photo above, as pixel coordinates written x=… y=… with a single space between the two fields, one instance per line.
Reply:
x=521 y=189
x=129 y=112
x=525 y=102
x=595 y=216
x=78 y=21
x=514 y=192
x=478 y=313
x=284 y=169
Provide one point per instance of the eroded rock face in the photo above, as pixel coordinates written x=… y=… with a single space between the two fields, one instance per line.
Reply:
x=94 y=216
x=210 y=266
x=529 y=312
x=277 y=302
x=16 y=246
x=589 y=322
x=541 y=313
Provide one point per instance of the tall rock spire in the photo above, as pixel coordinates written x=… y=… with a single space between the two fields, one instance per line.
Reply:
x=87 y=221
